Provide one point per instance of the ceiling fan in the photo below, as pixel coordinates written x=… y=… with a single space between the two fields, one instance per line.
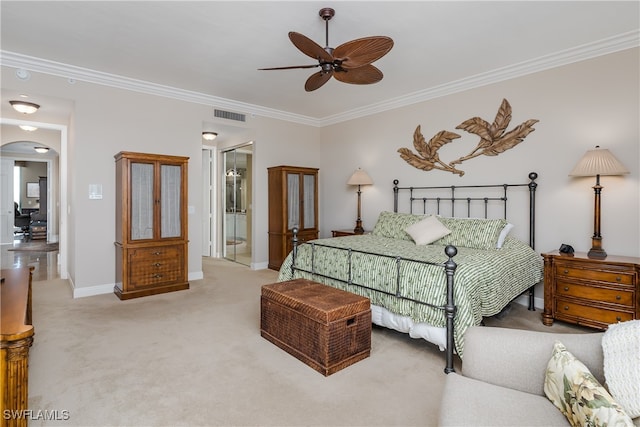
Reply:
x=349 y=63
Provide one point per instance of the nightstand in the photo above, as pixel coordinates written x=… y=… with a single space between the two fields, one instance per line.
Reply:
x=340 y=233
x=590 y=292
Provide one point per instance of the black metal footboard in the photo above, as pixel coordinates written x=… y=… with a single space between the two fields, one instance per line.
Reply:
x=449 y=267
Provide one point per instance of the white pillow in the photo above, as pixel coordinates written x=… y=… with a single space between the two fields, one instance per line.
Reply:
x=621 y=351
x=427 y=231
x=503 y=234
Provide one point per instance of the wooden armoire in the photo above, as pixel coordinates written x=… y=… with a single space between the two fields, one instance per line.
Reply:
x=151 y=224
x=293 y=202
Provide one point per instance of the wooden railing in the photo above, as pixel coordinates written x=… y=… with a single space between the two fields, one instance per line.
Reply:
x=16 y=338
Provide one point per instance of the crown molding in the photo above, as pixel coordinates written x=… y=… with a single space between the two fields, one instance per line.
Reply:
x=580 y=53
x=602 y=47
x=45 y=66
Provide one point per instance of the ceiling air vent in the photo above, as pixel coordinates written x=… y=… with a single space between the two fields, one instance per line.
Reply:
x=229 y=115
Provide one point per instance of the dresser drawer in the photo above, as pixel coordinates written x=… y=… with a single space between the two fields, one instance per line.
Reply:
x=616 y=296
x=140 y=278
x=595 y=273
x=154 y=253
x=579 y=313
x=148 y=272
x=155 y=266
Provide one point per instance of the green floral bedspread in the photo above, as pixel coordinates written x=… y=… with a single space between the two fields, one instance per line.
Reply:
x=485 y=281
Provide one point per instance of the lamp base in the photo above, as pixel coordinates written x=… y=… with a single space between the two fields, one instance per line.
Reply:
x=597 y=253
x=596 y=250
x=359 y=229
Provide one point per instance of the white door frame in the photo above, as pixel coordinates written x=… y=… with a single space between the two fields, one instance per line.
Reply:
x=64 y=208
x=7 y=216
x=209 y=182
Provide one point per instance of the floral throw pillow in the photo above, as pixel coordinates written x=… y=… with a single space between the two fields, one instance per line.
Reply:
x=578 y=394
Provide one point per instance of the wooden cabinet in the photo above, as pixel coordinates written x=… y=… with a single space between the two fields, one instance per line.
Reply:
x=293 y=202
x=590 y=292
x=151 y=224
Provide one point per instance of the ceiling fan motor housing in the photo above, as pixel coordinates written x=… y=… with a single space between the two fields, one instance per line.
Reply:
x=327 y=13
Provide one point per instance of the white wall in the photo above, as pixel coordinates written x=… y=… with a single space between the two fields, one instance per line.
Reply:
x=104 y=121
x=595 y=102
x=579 y=106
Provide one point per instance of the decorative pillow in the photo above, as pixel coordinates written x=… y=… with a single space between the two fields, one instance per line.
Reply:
x=393 y=225
x=426 y=231
x=478 y=233
x=578 y=394
x=621 y=350
x=503 y=235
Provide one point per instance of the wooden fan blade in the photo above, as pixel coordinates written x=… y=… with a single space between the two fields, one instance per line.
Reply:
x=309 y=47
x=364 y=51
x=364 y=75
x=290 y=67
x=317 y=80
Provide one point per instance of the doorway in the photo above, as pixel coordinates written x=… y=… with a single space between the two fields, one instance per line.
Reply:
x=57 y=185
x=237 y=204
x=26 y=193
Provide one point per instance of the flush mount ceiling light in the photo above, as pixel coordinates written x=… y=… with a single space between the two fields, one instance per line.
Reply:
x=28 y=128
x=24 y=107
x=209 y=136
x=41 y=150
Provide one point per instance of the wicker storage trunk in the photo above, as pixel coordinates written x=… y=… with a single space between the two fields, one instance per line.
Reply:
x=324 y=327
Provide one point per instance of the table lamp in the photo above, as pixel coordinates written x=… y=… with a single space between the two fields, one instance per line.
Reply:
x=598 y=162
x=359 y=178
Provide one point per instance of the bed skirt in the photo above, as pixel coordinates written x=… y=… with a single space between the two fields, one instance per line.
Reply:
x=382 y=317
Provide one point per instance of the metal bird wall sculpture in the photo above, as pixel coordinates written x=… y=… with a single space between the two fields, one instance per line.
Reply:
x=493 y=140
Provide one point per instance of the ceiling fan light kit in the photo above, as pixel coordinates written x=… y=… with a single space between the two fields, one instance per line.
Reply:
x=351 y=62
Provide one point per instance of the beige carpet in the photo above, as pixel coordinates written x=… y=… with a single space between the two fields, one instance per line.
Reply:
x=196 y=358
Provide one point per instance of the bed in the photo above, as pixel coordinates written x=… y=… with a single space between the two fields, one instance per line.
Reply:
x=426 y=282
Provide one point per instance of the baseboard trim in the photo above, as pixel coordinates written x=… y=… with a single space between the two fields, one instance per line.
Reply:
x=260 y=265
x=198 y=275
x=90 y=291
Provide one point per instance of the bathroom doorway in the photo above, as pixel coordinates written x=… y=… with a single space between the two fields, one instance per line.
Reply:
x=236 y=224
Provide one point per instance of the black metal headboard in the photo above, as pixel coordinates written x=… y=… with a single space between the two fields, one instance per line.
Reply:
x=439 y=198
x=450 y=197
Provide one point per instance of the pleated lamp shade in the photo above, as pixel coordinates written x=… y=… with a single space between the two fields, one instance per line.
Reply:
x=360 y=177
x=598 y=161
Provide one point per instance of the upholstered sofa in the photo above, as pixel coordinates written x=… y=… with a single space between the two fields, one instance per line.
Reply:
x=502 y=378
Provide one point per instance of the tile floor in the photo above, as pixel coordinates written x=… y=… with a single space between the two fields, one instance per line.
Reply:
x=45 y=264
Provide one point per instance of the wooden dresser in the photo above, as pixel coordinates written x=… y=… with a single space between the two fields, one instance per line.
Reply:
x=590 y=292
x=151 y=224
x=17 y=336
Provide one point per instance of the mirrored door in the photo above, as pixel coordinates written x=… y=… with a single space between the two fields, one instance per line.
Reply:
x=237 y=167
